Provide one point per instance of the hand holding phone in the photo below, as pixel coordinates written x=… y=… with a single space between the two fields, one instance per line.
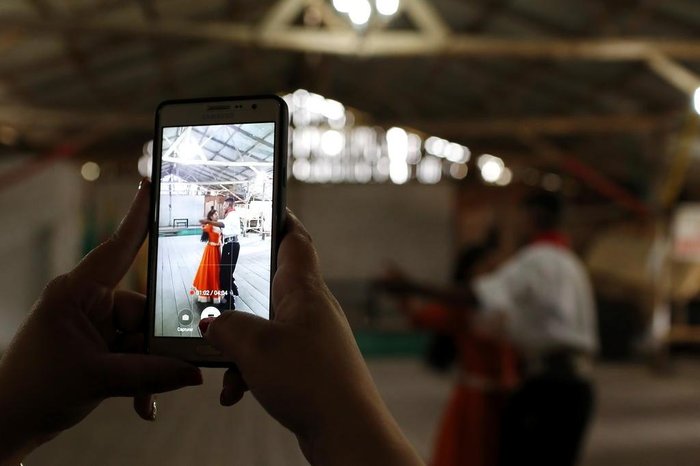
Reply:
x=80 y=345
x=305 y=368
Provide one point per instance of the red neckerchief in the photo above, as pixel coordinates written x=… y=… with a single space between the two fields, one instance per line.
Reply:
x=553 y=238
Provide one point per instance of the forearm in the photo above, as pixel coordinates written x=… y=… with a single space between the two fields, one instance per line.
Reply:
x=209 y=222
x=15 y=445
x=370 y=439
x=463 y=297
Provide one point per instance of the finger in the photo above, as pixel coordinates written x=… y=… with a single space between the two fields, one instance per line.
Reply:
x=297 y=261
x=146 y=407
x=108 y=263
x=129 y=311
x=129 y=343
x=234 y=387
x=120 y=374
x=235 y=333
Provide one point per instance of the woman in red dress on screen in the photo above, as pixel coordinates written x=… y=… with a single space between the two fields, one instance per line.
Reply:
x=206 y=281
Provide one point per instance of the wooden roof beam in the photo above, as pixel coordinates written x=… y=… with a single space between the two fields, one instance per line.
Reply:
x=673 y=72
x=553 y=126
x=374 y=43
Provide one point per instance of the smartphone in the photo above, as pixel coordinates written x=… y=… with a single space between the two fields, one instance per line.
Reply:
x=218 y=203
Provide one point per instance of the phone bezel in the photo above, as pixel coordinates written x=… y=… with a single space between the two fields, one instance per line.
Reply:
x=195 y=112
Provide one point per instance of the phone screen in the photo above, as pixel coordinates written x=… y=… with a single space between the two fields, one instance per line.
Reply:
x=214 y=218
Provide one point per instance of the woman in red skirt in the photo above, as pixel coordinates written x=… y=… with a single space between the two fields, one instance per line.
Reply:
x=206 y=281
x=469 y=431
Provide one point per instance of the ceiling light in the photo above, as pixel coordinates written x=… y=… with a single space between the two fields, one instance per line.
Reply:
x=360 y=11
x=414 y=145
x=332 y=142
x=397 y=144
x=435 y=145
x=459 y=171
x=90 y=171
x=301 y=169
x=696 y=100
x=491 y=167
x=429 y=170
x=505 y=178
x=398 y=172
x=333 y=110
x=189 y=149
x=387 y=7
x=342 y=6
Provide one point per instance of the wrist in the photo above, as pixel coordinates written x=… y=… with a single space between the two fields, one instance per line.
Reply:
x=15 y=442
x=364 y=433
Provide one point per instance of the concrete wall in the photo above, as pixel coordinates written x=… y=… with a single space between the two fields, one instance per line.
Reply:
x=360 y=229
x=40 y=237
x=189 y=207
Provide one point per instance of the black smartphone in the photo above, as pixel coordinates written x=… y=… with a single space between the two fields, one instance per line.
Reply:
x=217 y=207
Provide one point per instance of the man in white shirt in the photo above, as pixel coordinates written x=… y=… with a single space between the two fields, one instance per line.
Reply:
x=545 y=297
x=230 y=224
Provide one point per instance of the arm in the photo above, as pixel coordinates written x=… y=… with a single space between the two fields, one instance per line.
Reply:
x=327 y=398
x=454 y=297
x=45 y=387
x=209 y=222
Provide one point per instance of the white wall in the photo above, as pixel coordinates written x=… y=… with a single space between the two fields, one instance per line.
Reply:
x=40 y=237
x=358 y=229
x=189 y=207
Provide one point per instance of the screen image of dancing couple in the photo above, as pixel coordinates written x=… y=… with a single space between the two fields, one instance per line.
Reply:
x=214 y=224
x=215 y=280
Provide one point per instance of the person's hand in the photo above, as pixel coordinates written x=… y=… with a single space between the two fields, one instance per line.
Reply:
x=78 y=346
x=305 y=368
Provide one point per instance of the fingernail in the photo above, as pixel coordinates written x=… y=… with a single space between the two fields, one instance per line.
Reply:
x=204 y=324
x=193 y=377
x=144 y=181
x=225 y=398
x=154 y=411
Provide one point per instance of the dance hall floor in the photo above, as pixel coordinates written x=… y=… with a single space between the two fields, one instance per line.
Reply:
x=179 y=257
x=641 y=419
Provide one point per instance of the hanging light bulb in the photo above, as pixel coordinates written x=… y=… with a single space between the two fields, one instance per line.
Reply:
x=360 y=11
x=342 y=6
x=387 y=7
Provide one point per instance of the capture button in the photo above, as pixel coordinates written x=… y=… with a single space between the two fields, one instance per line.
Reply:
x=210 y=311
x=185 y=317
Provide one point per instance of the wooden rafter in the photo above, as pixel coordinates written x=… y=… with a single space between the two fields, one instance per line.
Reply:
x=477 y=127
x=553 y=126
x=160 y=50
x=76 y=56
x=379 y=43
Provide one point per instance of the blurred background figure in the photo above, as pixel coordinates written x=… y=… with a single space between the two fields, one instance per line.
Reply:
x=545 y=297
x=416 y=126
x=470 y=427
x=543 y=300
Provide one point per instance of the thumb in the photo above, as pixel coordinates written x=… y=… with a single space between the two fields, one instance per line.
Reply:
x=236 y=334
x=120 y=374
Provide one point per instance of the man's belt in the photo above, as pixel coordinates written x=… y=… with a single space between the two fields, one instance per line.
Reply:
x=231 y=239
x=561 y=362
